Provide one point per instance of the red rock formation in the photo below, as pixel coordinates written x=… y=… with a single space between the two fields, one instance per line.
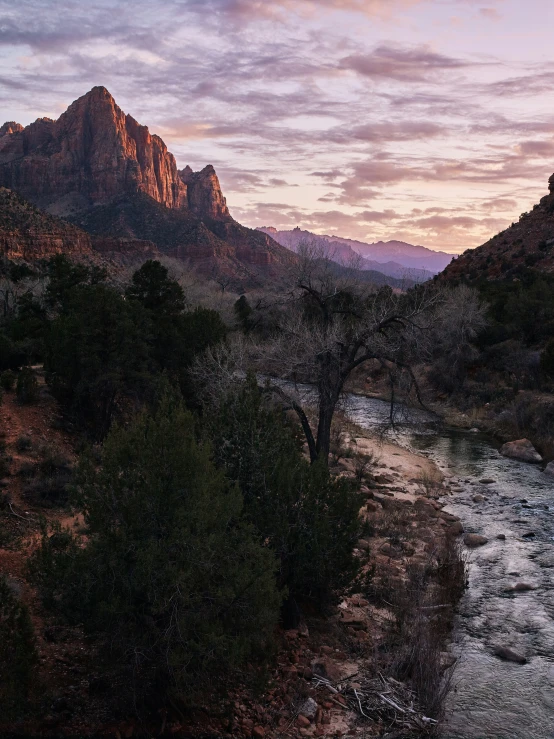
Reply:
x=91 y=154
x=204 y=195
x=28 y=233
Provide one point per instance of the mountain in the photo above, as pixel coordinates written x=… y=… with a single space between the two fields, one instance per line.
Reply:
x=393 y=258
x=527 y=243
x=29 y=233
x=103 y=171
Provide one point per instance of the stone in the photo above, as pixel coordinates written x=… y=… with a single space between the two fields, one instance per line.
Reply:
x=258 y=732
x=478 y=499
x=521 y=587
x=303 y=722
x=309 y=709
x=522 y=449
x=501 y=537
x=364 y=544
x=509 y=655
x=475 y=540
x=456 y=528
x=549 y=469
x=487 y=481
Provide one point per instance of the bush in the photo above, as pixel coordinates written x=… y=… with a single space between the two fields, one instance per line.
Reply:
x=27 y=386
x=168 y=575
x=7 y=380
x=17 y=653
x=308 y=518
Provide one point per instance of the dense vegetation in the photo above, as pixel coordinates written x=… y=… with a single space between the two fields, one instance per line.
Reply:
x=202 y=530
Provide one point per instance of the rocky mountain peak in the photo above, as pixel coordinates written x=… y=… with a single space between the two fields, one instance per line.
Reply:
x=93 y=153
x=10 y=127
x=204 y=195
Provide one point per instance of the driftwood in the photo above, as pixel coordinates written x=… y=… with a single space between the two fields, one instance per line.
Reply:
x=380 y=699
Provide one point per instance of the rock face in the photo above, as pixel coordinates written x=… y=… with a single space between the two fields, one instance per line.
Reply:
x=28 y=233
x=522 y=450
x=91 y=154
x=204 y=196
x=103 y=171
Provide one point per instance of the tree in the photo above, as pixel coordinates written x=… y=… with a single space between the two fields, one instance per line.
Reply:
x=328 y=325
x=152 y=287
x=307 y=518
x=97 y=356
x=168 y=573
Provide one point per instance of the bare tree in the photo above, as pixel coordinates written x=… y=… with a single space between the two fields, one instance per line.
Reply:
x=326 y=326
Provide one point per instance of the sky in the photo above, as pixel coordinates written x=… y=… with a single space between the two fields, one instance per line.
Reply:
x=428 y=121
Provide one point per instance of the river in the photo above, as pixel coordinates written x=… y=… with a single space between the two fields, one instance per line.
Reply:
x=494 y=699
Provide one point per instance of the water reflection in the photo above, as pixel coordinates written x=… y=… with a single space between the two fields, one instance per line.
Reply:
x=492 y=698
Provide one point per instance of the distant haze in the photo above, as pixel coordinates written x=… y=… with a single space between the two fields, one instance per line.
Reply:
x=394 y=258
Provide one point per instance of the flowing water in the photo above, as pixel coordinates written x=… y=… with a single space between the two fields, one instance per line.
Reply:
x=494 y=699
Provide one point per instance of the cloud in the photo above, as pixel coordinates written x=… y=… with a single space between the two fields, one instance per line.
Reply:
x=401 y=64
x=490 y=13
x=396 y=131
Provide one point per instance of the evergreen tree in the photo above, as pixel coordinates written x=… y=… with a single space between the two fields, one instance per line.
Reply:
x=168 y=573
x=308 y=518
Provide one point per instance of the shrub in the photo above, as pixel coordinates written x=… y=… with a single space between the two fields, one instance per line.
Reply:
x=168 y=575
x=7 y=380
x=308 y=518
x=17 y=653
x=27 y=386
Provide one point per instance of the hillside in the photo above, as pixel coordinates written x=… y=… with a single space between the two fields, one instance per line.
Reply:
x=393 y=258
x=527 y=243
x=101 y=169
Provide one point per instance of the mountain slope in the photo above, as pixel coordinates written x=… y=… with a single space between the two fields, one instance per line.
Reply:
x=99 y=168
x=29 y=233
x=393 y=258
x=528 y=243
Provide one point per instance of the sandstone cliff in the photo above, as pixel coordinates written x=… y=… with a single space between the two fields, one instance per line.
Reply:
x=28 y=233
x=103 y=171
x=91 y=154
x=529 y=243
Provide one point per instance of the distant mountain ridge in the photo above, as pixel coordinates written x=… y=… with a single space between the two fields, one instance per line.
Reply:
x=394 y=258
x=103 y=171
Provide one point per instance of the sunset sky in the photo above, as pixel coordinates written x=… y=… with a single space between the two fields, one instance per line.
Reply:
x=430 y=121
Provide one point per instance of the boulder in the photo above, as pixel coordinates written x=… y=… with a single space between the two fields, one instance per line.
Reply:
x=520 y=587
x=521 y=449
x=509 y=655
x=549 y=469
x=474 y=540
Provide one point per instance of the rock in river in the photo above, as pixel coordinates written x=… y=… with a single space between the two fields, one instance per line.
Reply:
x=522 y=450
x=509 y=655
x=549 y=469
x=474 y=540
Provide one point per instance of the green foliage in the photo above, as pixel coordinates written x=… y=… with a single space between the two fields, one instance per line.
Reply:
x=17 y=653
x=97 y=356
x=168 y=574
x=520 y=309
x=152 y=288
x=7 y=380
x=27 y=386
x=174 y=337
x=308 y=518
x=64 y=276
